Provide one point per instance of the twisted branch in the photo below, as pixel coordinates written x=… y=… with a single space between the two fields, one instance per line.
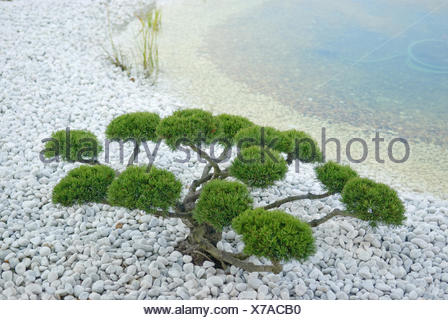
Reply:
x=197 y=235
x=205 y=155
x=334 y=213
x=309 y=196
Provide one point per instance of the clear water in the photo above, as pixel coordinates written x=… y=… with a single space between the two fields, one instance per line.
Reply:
x=379 y=64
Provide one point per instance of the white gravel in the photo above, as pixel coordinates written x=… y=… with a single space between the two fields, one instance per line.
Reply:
x=53 y=74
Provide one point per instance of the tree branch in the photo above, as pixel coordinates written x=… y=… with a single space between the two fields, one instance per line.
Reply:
x=310 y=196
x=193 y=195
x=233 y=260
x=204 y=155
x=334 y=213
x=170 y=214
x=198 y=237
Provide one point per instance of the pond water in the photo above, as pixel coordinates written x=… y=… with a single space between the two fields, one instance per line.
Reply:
x=376 y=63
x=352 y=67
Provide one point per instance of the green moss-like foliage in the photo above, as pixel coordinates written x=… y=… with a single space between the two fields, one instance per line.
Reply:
x=273 y=138
x=137 y=189
x=308 y=149
x=190 y=125
x=257 y=170
x=275 y=235
x=229 y=125
x=334 y=176
x=140 y=126
x=221 y=201
x=84 y=146
x=373 y=202
x=83 y=184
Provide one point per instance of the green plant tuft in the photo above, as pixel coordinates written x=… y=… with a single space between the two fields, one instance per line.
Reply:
x=373 y=202
x=140 y=126
x=307 y=148
x=135 y=188
x=187 y=126
x=229 y=125
x=275 y=235
x=83 y=184
x=143 y=52
x=334 y=176
x=255 y=167
x=273 y=138
x=221 y=201
x=150 y=23
x=84 y=146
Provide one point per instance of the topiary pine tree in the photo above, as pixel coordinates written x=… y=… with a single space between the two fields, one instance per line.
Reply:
x=214 y=202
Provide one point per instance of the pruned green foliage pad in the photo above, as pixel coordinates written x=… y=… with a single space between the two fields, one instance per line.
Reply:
x=256 y=168
x=140 y=126
x=83 y=184
x=272 y=138
x=275 y=235
x=229 y=125
x=334 y=176
x=187 y=126
x=304 y=147
x=84 y=146
x=221 y=201
x=373 y=202
x=137 y=189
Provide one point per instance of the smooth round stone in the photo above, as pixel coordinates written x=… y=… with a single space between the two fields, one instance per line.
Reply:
x=341 y=295
x=397 y=294
x=23 y=242
x=7 y=275
x=331 y=295
x=413 y=295
x=33 y=288
x=415 y=253
x=187 y=259
x=52 y=276
x=215 y=281
x=255 y=283
x=20 y=268
x=131 y=270
x=44 y=251
x=284 y=294
x=10 y=292
x=154 y=272
x=188 y=268
x=98 y=286
x=363 y=254
x=30 y=276
x=247 y=295
x=398 y=272
x=181 y=292
x=173 y=273
x=241 y=286
x=154 y=292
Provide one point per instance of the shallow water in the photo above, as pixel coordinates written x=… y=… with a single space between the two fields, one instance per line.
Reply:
x=257 y=59
x=377 y=64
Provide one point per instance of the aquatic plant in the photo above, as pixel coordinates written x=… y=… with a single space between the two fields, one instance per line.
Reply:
x=142 y=53
x=213 y=201
x=150 y=23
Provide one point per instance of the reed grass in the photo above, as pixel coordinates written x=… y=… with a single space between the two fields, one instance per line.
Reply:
x=148 y=45
x=143 y=53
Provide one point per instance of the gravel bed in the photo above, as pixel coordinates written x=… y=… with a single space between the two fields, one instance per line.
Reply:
x=53 y=74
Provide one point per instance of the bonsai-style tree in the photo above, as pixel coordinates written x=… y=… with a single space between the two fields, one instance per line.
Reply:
x=221 y=196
